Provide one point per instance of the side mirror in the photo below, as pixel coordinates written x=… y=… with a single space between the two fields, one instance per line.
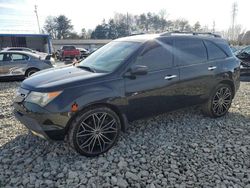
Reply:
x=138 y=70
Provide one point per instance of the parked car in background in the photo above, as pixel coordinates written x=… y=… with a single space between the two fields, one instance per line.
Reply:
x=69 y=52
x=244 y=56
x=21 y=64
x=128 y=79
x=84 y=52
x=42 y=54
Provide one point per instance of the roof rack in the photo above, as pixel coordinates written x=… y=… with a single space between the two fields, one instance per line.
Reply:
x=190 y=33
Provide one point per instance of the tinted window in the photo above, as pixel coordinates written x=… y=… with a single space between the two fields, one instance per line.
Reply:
x=15 y=49
x=190 y=51
x=156 y=56
x=214 y=52
x=18 y=57
x=68 y=48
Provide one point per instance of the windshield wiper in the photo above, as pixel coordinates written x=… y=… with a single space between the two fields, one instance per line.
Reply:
x=87 y=68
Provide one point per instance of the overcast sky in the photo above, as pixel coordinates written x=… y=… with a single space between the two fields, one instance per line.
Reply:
x=19 y=16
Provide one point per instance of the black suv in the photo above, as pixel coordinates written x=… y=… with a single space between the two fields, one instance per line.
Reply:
x=127 y=79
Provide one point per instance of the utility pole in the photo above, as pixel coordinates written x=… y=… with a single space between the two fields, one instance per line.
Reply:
x=127 y=25
x=234 y=14
x=39 y=29
x=213 y=27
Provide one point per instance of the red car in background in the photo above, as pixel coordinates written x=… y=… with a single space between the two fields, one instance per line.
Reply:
x=69 y=52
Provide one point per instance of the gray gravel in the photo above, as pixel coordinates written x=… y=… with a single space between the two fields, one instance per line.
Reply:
x=178 y=149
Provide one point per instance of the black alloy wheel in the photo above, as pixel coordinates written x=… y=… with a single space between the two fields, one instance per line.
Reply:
x=219 y=101
x=95 y=131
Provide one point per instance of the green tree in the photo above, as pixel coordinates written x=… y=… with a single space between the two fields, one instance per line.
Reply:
x=50 y=26
x=63 y=26
x=58 y=27
x=197 y=26
x=83 y=34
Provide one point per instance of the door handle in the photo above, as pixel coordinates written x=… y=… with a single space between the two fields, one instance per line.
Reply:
x=211 y=68
x=169 y=77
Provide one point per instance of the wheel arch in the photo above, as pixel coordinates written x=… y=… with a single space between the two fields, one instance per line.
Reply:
x=122 y=117
x=230 y=83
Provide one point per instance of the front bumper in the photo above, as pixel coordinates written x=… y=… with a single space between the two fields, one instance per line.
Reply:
x=47 y=126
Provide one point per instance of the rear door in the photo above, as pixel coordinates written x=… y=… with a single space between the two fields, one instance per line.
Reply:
x=197 y=73
x=154 y=92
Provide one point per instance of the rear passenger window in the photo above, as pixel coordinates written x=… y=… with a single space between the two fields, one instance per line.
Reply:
x=190 y=51
x=214 y=52
x=1 y=57
x=18 y=57
x=156 y=56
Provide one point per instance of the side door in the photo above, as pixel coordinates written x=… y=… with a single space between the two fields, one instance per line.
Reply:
x=154 y=92
x=18 y=64
x=197 y=73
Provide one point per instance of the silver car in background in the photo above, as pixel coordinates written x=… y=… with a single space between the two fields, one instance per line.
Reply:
x=20 y=64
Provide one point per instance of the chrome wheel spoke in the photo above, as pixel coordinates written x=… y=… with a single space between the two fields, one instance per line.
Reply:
x=102 y=119
x=93 y=145
x=111 y=123
x=103 y=136
x=100 y=144
x=85 y=144
x=109 y=131
x=82 y=135
x=83 y=123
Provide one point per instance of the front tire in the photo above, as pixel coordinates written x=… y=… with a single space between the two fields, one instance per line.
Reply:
x=219 y=101
x=94 y=131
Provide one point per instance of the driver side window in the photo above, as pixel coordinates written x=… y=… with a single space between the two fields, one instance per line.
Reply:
x=156 y=56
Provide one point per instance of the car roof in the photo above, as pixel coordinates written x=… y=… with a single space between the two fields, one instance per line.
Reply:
x=147 y=37
x=7 y=48
x=21 y=52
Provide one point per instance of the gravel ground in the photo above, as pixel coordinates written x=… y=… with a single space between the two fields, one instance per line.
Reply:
x=178 y=149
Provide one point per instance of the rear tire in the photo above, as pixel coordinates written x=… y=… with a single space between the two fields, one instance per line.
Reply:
x=219 y=102
x=29 y=72
x=94 y=131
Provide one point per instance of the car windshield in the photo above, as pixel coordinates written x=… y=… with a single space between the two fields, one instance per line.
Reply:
x=68 y=48
x=110 y=56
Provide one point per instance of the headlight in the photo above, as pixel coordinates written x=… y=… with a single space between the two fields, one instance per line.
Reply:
x=42 y=99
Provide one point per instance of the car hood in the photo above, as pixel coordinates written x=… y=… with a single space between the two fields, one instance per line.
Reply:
x=59 y=78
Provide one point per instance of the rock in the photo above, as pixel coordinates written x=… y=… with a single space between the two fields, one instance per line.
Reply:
x=122 y=183
x=144 y=173
x=60 y=175
x=143 y=160
x=122 y=164
x=206 y=150
x=72 y=175
x=132 y=176
x=46 y=174
x=113 y=180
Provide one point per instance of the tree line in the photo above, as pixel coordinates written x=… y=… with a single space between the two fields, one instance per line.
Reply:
x=121 y=25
